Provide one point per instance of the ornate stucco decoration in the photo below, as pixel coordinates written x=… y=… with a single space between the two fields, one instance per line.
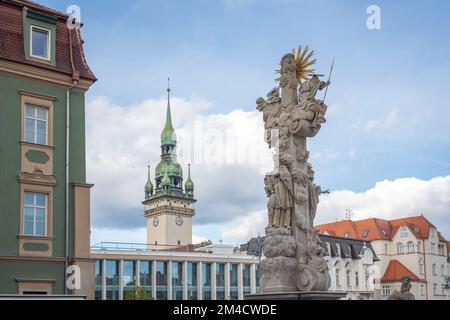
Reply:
x=38 y=177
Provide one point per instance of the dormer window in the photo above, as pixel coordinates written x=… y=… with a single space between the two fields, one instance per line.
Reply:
x=365 y=233
x=403 y=232
x=40 y=43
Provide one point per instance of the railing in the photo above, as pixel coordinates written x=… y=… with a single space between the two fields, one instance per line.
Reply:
x=127 y=246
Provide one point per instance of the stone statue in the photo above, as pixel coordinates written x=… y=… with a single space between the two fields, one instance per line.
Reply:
x=294 y=254
x=404 y=293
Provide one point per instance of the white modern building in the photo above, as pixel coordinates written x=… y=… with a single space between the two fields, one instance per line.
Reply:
x=211 y=272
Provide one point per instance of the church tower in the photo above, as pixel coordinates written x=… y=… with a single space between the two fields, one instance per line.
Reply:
x=168 y=208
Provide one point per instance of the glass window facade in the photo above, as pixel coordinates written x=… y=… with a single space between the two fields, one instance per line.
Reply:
x=234 y=281
x=177 y=280
x=112 y=280
x=220 y=281
x=128 y=276
x=192 y=280
x=98 y=279
x=246 y=278
x=145 y=274
x=206 y=281
x=161 y=280
x=154 y=275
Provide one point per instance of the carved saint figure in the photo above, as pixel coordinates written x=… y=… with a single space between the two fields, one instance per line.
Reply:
x=288 y=80
x=283 y=189
x=273 y=206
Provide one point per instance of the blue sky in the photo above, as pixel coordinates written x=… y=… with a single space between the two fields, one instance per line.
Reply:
x=389 y=99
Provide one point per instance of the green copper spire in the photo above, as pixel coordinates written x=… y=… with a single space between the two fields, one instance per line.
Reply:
x=189 y=185
x=168 y=136
x=148 y=186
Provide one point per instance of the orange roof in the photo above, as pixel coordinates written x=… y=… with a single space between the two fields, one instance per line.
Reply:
x=395 y=271
x=376 y=229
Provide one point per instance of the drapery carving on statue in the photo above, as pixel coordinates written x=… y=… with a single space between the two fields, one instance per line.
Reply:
x=284 y=190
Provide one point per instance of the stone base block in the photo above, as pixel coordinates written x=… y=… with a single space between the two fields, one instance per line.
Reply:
x=278 y=274
x=297 y=295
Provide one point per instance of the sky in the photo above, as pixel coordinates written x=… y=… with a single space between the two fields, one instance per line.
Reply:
x=384 y=151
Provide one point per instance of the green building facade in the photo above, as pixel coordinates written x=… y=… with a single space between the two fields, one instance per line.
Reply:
x=44 y=197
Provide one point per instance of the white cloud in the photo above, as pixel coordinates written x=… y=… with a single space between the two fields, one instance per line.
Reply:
x=392 y=199
x=120 y=141
x=225 y=149
x=243 y=228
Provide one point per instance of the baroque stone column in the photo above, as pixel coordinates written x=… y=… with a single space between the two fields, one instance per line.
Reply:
x=291 y=113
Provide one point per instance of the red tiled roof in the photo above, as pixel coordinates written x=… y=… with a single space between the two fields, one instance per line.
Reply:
x=395 y=271
x=378 y=228
x=12 y=46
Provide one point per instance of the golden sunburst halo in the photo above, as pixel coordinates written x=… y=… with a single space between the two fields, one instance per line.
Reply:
x=303 y=61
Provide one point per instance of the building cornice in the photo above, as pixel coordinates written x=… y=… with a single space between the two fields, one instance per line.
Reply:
x=54 y=77
x=37 y=95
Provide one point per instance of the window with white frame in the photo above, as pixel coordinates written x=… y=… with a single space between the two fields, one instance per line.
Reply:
x=356 y=279
x=421 y=266
x=419 y=244
x=338 y=277
x=35 y=214
x=40 y=42
x=385 y=248
x=386 y=290
x=442 y=270
x=36 y=124
x=328 y=248
x=410 y=247
x=422 y=289
x=338 y=249
x=432 y=233
x=404 y=232
x=399 y=248
x=434 y=269
x=432 y=248
x=435 y=289
x=366 y=279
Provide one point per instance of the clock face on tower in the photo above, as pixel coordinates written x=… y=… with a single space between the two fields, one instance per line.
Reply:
x=155 y=221
x=179 y=221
